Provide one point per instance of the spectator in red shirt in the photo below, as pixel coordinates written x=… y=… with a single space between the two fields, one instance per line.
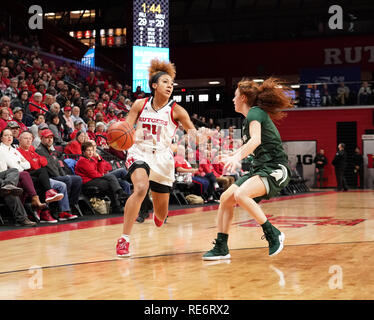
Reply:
x=38 y=170
x=91 y=80
x=207 y=167
x=101 y=135
x=17 y=117
x=79 y=126
x=5 y=77
x=186 y=174
x=4 y=118
x=91 y=126
x=5 y=103
x=36 y=105
x=75 y=146
x=93 y=174
x=30 y=85
x=111 y=115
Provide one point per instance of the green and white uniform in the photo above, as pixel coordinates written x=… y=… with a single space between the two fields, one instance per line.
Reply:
x=269 y=160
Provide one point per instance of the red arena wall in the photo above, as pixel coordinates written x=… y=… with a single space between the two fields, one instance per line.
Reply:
x=320 y=125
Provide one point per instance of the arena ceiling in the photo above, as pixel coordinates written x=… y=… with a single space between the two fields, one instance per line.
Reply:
x=217 y=21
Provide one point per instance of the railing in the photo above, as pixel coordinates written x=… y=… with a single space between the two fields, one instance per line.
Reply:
x=334 y=94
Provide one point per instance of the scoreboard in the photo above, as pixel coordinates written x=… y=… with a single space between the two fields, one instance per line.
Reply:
x=150 y=37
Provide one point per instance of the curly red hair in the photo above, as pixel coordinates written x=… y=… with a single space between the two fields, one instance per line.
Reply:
x=270 y=96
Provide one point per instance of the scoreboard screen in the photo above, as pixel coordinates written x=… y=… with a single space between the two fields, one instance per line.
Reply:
x=141 y=61
x=150 y=37
x=151 y=23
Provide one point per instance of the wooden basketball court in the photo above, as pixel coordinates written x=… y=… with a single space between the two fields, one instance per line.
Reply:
x=328 y=254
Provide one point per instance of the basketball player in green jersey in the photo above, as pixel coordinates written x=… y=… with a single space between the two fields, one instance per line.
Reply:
x=268 y=172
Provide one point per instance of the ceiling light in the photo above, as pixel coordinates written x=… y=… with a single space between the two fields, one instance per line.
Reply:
x=214 y=82
x=258 y=80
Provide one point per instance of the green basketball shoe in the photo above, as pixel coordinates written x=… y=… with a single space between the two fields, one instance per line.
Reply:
x=220 y=251
x=275 y=239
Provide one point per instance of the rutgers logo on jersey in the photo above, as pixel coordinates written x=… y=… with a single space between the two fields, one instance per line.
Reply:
x=156 y=128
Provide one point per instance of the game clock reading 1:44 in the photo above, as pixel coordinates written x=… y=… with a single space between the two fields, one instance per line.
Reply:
x=151 y=23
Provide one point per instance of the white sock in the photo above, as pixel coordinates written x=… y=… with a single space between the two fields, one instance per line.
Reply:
x=126 y=237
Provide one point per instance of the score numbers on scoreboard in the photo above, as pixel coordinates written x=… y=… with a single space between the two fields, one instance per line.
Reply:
x=151 y=23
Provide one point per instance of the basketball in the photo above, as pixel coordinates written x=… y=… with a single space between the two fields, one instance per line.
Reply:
x=120 y=136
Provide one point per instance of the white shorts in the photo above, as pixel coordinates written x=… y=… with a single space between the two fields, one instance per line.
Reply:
x=161 y=163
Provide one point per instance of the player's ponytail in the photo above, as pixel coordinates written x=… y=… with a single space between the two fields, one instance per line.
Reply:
x=270 y=96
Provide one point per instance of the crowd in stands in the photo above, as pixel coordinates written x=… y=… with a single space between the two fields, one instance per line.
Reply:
x=53 y=131
x=53 y=125
x=315 y=95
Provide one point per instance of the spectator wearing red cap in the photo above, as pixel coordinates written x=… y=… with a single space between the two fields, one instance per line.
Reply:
x=38 y=170
x=57 y=172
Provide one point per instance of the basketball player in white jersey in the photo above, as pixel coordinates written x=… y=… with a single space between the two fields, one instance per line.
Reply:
x=150 y=160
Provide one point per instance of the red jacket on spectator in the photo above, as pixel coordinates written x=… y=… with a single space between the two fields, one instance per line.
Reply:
x=91 y=81
x=105 y=165
x=110 y=117
x=35 y=109
x=3 y=124
x=218 y=167
x=73 y=134
x=206 y=166
x=22 y=126
x=36 y=160
x=91 y=135
x=180 y=162
x=73 y=147
x=89 y=169
x=100 y=141
x=6 y=81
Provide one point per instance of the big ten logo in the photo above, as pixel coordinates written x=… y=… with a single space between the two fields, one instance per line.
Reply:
x=36 y=20
x=36 y=279
x=305 y=159
x=336 y=280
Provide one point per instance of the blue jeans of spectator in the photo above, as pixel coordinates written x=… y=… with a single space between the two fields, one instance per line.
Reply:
x=60 y=187
x=121 y=174
x=203 y=184
x=73 y=187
